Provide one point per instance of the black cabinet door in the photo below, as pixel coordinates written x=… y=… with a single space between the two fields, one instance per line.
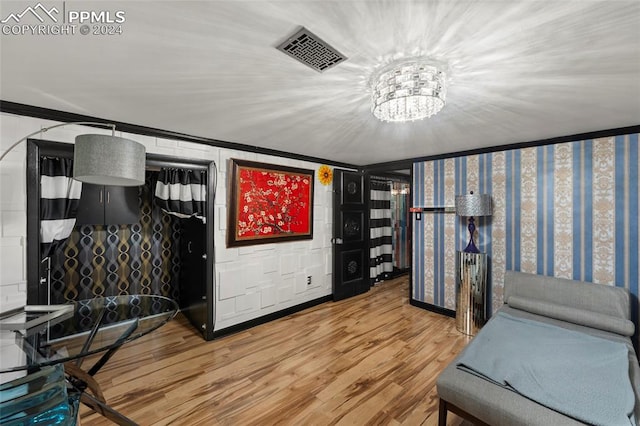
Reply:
x=121 y=205
x=108 y=205
x=193 y=291
x=91 y=206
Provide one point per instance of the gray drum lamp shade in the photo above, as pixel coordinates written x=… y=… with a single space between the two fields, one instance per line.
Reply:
x=473 y=205
x=108 y=160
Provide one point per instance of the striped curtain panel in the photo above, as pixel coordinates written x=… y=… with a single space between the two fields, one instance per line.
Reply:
x=182 y=192
x=380 y=247
x=59 y=199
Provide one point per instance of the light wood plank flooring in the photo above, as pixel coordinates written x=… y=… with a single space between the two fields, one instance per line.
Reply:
x=371 y=359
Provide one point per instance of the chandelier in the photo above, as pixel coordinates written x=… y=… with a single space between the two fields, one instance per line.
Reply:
x=408 y=90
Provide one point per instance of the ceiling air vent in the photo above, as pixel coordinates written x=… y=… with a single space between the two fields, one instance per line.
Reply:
x=311 y=50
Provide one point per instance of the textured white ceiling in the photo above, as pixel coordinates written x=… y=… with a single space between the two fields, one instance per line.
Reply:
x=520 y=71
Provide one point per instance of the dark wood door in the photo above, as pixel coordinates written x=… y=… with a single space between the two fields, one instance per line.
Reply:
x=350 y=234
x=193 y=292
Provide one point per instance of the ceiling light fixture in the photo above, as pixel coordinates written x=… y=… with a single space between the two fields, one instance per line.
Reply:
x=408 y=90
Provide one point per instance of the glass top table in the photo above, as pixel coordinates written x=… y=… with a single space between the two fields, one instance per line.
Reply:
x=39 y=336
x=88 y=327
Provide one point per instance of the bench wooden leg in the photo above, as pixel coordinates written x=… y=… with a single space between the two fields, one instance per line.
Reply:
x=442 y=413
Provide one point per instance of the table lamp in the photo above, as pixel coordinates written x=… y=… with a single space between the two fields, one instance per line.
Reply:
x=473 y=205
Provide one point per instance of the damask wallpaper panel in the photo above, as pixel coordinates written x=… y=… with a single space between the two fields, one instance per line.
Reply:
x=568 y=210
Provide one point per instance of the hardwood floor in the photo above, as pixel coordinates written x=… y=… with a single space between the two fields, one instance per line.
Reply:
x=371 y=359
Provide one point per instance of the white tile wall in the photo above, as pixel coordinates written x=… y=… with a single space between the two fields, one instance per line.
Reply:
x=267 y=297
x=285 y=291
x=288 y=264
x=250 y=282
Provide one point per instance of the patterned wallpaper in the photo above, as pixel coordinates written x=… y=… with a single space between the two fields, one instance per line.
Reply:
x=567 y=210
x=141 y=258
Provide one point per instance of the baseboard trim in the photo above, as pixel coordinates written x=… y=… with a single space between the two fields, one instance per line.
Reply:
x=270 y=317
x=432 y=308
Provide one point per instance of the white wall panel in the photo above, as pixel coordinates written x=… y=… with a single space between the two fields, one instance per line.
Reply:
x=271 y=266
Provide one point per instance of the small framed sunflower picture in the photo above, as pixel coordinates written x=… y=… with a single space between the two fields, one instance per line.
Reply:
x=325 y=175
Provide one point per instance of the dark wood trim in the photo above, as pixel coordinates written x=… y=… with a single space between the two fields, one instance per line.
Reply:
x=432 y=308
x=66 y=117
x=36 y=148
x=445 y=406
x=442 y=413
x=389 y=166
x=396 y=177
x=62 y=116
x=435 y=209
x=396 y=273
x=271 y=317
x=157 y=160
x=408 y=163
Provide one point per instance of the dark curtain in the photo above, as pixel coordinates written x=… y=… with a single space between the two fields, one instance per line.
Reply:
x=380 y=247
x=59 y=199
x=182 y=193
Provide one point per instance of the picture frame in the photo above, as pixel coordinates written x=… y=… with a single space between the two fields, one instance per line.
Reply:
x=268 y=203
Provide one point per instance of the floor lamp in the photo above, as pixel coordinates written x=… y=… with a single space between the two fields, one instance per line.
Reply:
x=471 y=268
x=102 y=159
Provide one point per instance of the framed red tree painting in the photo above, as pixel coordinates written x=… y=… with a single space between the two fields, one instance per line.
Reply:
x=269 y=203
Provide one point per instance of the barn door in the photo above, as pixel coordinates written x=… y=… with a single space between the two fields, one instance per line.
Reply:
x=350 y=234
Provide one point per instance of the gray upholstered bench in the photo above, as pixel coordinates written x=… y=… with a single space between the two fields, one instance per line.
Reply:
x=598 y=310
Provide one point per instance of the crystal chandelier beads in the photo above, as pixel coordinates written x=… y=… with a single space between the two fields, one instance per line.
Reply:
x=408 y=91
